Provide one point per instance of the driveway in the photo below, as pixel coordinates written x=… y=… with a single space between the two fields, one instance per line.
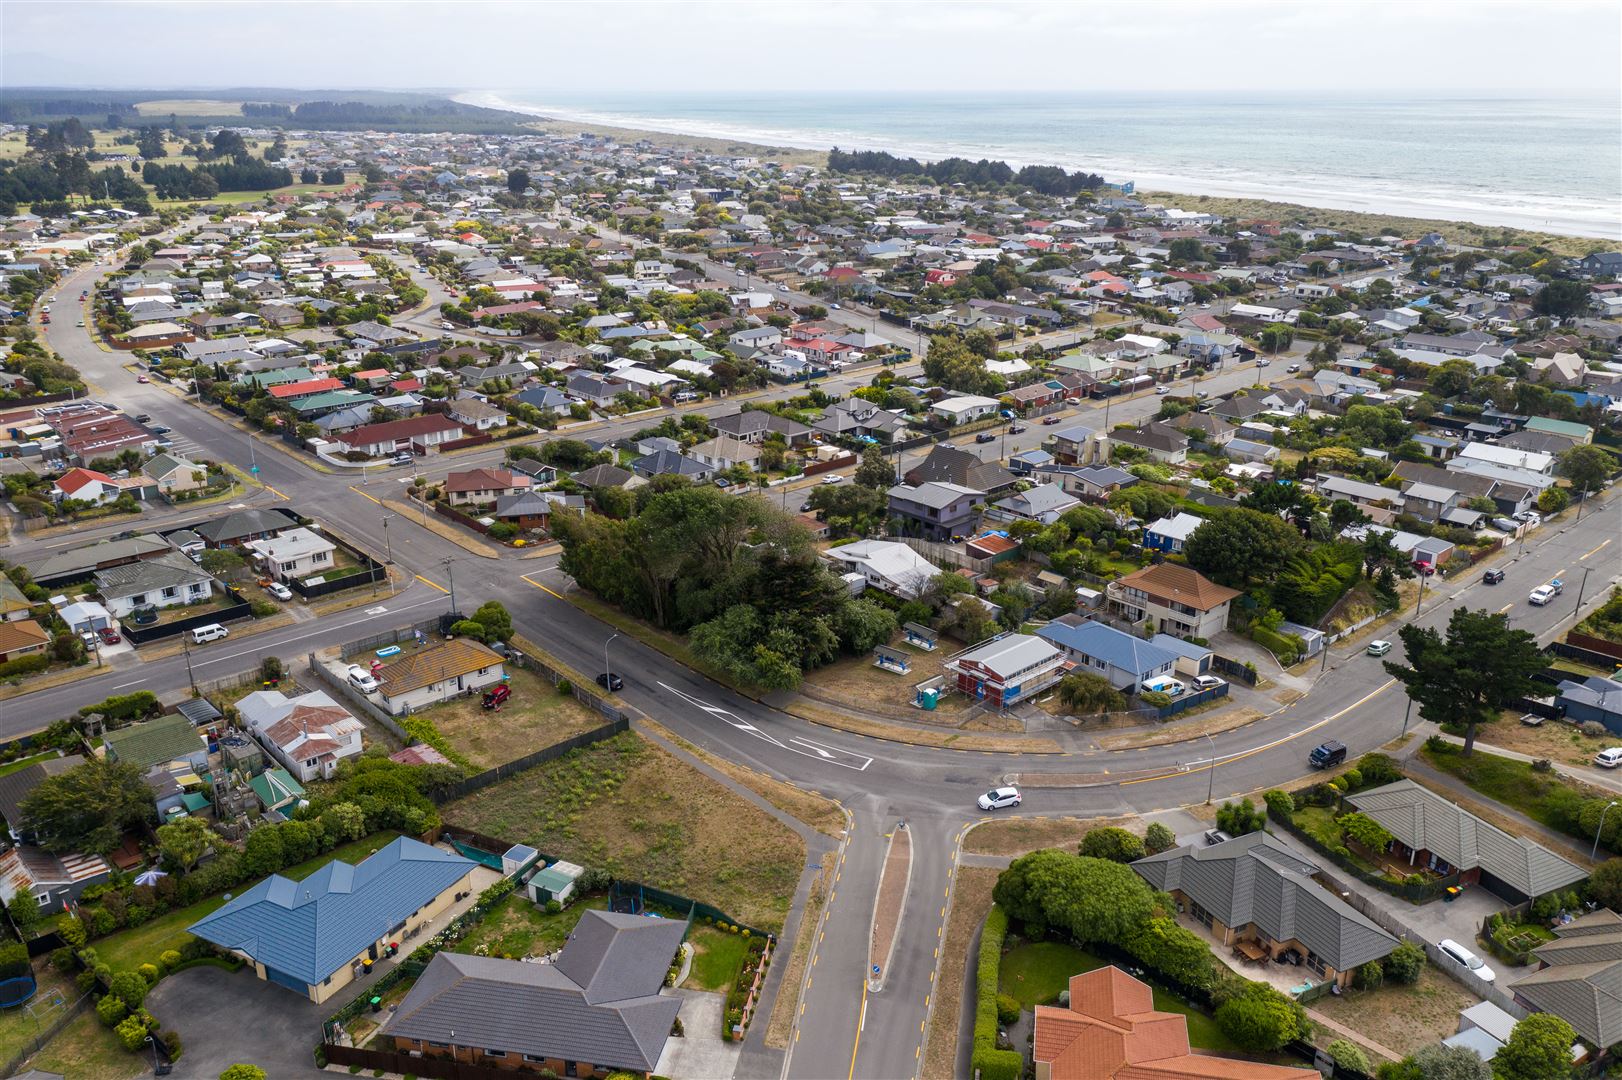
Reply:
x=225 y=1017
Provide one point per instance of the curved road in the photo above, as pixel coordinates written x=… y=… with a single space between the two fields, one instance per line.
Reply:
x=842 y=1031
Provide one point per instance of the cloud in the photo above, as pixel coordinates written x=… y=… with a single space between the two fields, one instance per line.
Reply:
x=1271 y=46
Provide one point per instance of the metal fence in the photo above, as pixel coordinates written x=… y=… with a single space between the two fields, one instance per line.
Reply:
x=1189 y=701
x=370 y=573
x=1588 y=649
x=529 y=761
x=1233 y=669
x=43 y=1035
x=143 y=635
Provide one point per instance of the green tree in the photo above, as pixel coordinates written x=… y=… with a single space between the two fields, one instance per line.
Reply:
x=1405 y=963
x=1260 y=1019
x=469 y=628
x=1365 y=830
x=221 y=563
x=863 y=625
x=1276 y=337
x=1472 y=675
x=186 y=841
x=1091 y=899
x=240 y=1071
x=1114 y=844
x=1158 y=838
x=1239 y=818
x=1439 y=1062
x=1082 y=694
x=149 y=144
x=1238 y=545
x=951 y=363
x=1586 y=467
x=1347 y=1055
x=263 y=852
x=131 y=1032
x=518 y=181
x=1539 y=1048
x=1553 y=500
x=88 y=807
x=875 y=470
x=1561 y=299
x=1605 y=885
x=497 y=623
x=1451 y=378
x=342 y=822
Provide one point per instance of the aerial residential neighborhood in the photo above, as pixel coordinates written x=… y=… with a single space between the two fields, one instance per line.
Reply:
x=487 y=596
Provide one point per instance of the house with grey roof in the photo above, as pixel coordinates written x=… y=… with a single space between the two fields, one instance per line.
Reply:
x=1434 y=833
x=934 y=510
x=1581 y=977
x=1045 y=503
x=754 y=425
x=315 y=936
x=1252 y=891
x=596 y=1008
x=169 y=580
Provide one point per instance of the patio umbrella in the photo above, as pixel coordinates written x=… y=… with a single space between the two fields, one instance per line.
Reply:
x=149 y=877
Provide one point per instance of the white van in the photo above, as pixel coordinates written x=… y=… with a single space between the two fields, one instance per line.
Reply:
x=211 y=632
x=1164 y=684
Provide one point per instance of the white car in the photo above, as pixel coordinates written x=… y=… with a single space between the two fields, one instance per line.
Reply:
x=1541 y=595
x=1162 y=391
x=833 y=478
x=1378 y=648
x=997 y=798
x=361 y=679
x=279 y=591
x=1206 y=682
x=1468 y=959
x=1264 y=362
x=1609 y=759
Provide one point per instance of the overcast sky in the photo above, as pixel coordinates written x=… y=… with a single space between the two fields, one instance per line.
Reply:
x=1359 y=48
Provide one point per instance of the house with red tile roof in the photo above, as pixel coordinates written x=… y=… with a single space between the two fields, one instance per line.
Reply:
x=484 y=485
x=304 y=388
x=1112 y=1031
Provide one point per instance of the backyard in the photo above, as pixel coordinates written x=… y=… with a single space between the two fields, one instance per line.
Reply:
x=717 y=958
x=136 y=945
x=18 y=1026
x=627 y=807
x=88 y=1050
x=1034 y=973
x=517 y=927
x=1403 y=1018
x=535 y=716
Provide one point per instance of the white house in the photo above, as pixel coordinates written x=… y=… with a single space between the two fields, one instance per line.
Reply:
x=437 y=674
x=965 y=408
x=295 y=554
x=169 y=580
x=885 y=565
x=308 y=734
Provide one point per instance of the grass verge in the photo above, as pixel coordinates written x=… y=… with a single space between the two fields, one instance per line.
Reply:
x=85 y=1050
x=626 y=806
x=788 y=993
x=1016 y=836
x=971 y=900
x=827 y=716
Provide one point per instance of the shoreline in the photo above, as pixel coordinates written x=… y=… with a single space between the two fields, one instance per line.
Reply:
x=1352 y=212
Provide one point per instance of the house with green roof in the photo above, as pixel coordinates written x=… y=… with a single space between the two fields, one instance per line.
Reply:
x=157 y=742
x=308 y=408
x=276 y=789
x=1581 y=434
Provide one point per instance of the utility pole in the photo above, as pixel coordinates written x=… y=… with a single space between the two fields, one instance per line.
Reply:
x=1581 y=587
x=388 y=548
x=1406 y=713
x=450 y=570
x=1421 y=599
x=185 y=648
x=1210 y=785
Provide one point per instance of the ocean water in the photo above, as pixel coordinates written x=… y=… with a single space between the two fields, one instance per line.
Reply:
x=1549 y=164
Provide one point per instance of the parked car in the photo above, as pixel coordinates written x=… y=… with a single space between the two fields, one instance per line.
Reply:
x=1206 y=682
x=1378 y=648
x=1492 y=577
x=91 y=641
x=1264 y=362
x=212 y=632
x=997 y=798
x=833 y=478
x=496 y=696
x=402 y=458
x=1468 y=959
x=1049 y=421
x=142 y=378
x=1162 y=391
x=985 y=437
x=1609 y=758
x=159 y=429
x=608 y=680
x=1015 y=429
x=279 y=591
x=805 y=507
x=1216 y=836
x=1422 y=567
x=361 y=679
x=1327 y=755
x=109 y=636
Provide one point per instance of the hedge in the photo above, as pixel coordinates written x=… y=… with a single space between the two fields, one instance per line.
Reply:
x=990 y=1062
x=24 y=665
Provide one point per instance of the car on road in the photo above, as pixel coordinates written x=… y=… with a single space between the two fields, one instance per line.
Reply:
x=1264 y=362
x=79 y=323
x=1049 y=421
x=1492 y=577
x=142 y=378
x=1293 y=368
x=109 y=636
x=1327 y=755
x=1467 y=958
x=608 y=680
x=159 y=429
x=833 y=307
x=361 y=679
x=53 y=299
x=405 y=457
x=998 y=798
x=782 y=288
x=1162 y=391
x=1609 y=758
x=279 y=591
x=833 y=478
x=1015 y=429
x=985 y=437
x=1216 y=836
x=1378 y=648
x=1542 y=595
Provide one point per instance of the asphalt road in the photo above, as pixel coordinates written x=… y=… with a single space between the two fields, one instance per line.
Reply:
x=842 y=1031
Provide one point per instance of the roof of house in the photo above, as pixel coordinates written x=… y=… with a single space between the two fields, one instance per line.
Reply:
x=934 y=494
x=437 y=663
x=309 y=929
x=1011 y=654
x=72 y=481
x=240 y=523
x=604 y=475
x=1039 y=499
x=1180 y=526
x=291 y=545
x=17 y=786
x=11 y=597
x=1425 y=821
x=21 y=634
x=1170 y=581
x=395 y=430
x=954 y=465
x=1118 y=649
x=890 y=559
x=726 y=448
x=599 y=1002
x=1586 y=996
x=1112 y=1031
x=276 y=788
x=154 y=742
x=484 y=480
x=1255 y=879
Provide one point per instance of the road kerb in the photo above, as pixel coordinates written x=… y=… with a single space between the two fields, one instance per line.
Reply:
x=881 y=951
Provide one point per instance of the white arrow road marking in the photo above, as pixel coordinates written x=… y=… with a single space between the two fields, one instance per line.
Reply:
x=831 y=755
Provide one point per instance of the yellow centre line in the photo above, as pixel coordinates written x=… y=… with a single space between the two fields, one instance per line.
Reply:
x=273 y=491
x=1267 y=746
x=543 y=588
x=1598 y=549
x=425 y=581
x=861 y=1019
x=363 y=495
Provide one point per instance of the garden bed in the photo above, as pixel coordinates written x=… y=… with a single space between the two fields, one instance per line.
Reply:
x=627 y=807
x=517 y=927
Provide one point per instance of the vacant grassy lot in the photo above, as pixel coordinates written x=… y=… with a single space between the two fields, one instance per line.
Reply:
x=1552 y=739
x=1016 y=836
x=1404 y=1018
x=535 y=716
x=85 y=1050
x=188 y=107
x=625 y=806
x=1036 y=972
x=855 y=681
x=518 y=928
x=137 y=945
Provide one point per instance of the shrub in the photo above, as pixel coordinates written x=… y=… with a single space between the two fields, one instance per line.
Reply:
x=1592 y=727
x=169 y=960
x=13 y=959
x=1007 y=1009
x=24 y=665
x=110 y=1010
x=1347 y=1055
x=1369 y=976
x=1239 y=818
x=990 y=1062
x=130 y=986
x=1365 y=830
x=1116 y=845
x=1353 y=778
x=1154 y=699
x=565 y=686
x=132 y=1033
x=62 y=959
x=171 y=1042
x=1378 y=769
x=243 y=1072
x=149 y=972
x=71 y=931
x=1260 y=1019
x=1158 y=838
x=1280 y=803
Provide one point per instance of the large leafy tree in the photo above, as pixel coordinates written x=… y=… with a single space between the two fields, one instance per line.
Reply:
x=1237 y=546
x=1561 y=299
x=1587 y=467
x=952 y=363
x=875 y=471
x=1260 y=1019
x=1083 y=693
x=1091 y=899
x=1469 y=676
x=186 y=841
x=88 y=807
x=1539 y=1048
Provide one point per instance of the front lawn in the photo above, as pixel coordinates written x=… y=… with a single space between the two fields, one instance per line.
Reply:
x=1036 y=972
x=133 y=946
x=717 y=958
x=625 y=806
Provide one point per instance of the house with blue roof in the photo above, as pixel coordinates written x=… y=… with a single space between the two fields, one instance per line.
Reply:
x=316 y=936
x=1123 y=659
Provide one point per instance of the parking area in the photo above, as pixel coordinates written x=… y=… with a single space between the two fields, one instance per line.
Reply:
x=207 y=1005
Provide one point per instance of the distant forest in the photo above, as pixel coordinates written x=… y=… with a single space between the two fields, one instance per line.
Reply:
x=1046 y=179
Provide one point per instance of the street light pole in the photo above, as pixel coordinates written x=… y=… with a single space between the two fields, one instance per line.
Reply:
x=1421 y=599
x=1210 y=786
x=606 y=644
x=1600 y=828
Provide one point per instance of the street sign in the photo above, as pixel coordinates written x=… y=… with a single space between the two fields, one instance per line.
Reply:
x=254 y=469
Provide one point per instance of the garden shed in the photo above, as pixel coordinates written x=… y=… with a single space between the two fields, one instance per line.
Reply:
x=556 y=882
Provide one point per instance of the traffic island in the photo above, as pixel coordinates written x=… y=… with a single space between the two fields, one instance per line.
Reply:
x=894 y=879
